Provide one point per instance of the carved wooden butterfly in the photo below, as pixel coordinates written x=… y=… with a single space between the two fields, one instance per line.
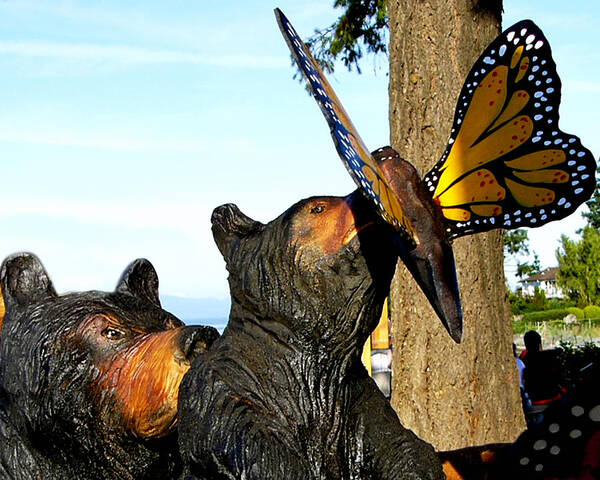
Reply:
x=507 y=164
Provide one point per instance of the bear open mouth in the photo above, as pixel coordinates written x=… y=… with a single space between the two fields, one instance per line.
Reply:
x=353 y=232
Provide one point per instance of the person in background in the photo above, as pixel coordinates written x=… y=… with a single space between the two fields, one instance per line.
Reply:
x=520 y=366
x=541 y=377
x=533 y=342
x=525 y=401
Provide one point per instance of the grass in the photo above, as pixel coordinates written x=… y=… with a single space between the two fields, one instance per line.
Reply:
x=556 y=331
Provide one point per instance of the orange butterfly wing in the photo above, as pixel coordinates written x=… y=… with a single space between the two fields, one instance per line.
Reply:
x=507 y=164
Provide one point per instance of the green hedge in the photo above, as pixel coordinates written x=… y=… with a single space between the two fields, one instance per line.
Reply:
x=555 y=314
x=578 y=312
x=592 y=312
x=520 y=327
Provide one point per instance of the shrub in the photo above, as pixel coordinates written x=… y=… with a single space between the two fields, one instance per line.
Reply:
x=545 y=315
x=560 y=303
x=578 y=312
x=554 y=314
x=592 y=312
x=575 y=357
x=520 y=305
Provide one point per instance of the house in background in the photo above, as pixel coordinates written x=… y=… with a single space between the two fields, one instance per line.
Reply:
x=545 y=281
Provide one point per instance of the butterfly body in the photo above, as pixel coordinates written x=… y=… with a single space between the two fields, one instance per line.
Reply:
x=431 y=261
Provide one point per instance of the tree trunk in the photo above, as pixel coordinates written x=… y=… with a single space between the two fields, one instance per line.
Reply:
x=450 y=395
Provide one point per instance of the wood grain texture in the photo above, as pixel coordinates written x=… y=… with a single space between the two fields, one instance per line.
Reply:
x=450 y=395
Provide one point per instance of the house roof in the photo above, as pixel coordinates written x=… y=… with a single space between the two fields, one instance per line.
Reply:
x=547 y=275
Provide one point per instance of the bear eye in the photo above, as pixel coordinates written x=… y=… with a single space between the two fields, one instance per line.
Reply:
x=317 y=209
x=112 y=333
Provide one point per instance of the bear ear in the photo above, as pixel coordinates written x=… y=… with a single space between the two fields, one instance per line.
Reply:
x=24 y=280
x=140 y=280
x=229 y=224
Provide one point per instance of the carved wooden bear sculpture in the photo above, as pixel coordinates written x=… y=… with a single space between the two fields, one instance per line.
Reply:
x=282 y=394
x=89 y=381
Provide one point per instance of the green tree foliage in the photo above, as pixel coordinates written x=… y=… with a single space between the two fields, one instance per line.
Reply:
x=539 y=299
x=362 y=27
x=527 y=269
x=579 y=266
x=516 y=242
x=516 y=245
x=520 y=305
x=593 y=216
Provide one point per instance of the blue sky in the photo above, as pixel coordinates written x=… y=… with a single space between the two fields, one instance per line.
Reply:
x=123 y=124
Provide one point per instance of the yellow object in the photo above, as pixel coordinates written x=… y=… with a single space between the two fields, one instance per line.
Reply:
x=366 y=356
x=380 y=338
x=500 y=164
x=2 y=310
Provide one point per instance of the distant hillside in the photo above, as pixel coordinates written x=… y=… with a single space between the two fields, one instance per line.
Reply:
x=205 y=311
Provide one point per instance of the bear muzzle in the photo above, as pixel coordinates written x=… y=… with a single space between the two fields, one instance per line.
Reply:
x=144 y=380
x=194 y=340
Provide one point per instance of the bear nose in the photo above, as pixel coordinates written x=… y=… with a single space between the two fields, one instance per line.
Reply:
x=195 y=340
x=230 y=219
x=225 y=214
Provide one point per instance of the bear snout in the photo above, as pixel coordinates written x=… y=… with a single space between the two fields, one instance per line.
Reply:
x=223 y=216
x=194 y=340
x=144 y=380
x=231 y=221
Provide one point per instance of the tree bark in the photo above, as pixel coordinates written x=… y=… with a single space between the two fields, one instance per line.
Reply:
x=450 y=395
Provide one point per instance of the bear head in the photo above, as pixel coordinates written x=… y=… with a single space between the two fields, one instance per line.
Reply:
x=92 y=376
x=321 y=269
